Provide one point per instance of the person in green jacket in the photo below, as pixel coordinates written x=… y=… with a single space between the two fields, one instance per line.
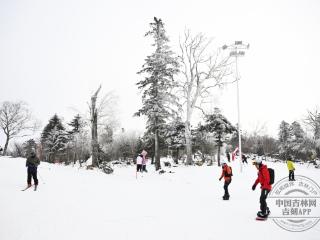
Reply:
x=291 y=168
x=32 y=164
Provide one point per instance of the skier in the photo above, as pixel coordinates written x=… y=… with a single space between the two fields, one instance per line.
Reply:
x=226 y=174
x=264 y=180
x=291 y=168
x=144 y=161
x=32 y=164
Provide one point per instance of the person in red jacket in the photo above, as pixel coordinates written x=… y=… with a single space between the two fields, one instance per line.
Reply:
x=226 y=174
x=264 y=180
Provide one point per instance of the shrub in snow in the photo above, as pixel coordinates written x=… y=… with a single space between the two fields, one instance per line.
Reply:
x=105 y=167
x=167 y=164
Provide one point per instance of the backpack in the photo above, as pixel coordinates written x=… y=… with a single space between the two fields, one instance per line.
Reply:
x=271 y=174
x=228 y=172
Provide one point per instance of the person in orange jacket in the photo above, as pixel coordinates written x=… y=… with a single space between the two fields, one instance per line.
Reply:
x=226 y=174
x=264 y=180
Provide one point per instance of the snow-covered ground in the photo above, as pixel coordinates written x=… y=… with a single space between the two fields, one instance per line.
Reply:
x=77 y=204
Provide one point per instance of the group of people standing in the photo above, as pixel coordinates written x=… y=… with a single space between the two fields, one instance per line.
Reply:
x=142 y=162
x=265 y=179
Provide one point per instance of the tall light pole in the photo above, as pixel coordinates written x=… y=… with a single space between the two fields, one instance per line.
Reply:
x=237 y=50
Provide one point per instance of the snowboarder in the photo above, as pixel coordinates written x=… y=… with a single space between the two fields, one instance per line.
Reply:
x=264 y=180
x=32 y=164
x=226 y=174
x=144 y=161
x=244 y=159
x=291 y=168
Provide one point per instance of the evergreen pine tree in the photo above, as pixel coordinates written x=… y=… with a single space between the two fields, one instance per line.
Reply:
x=54 y=122
x=284 y=138
x=76 y=124
x=220 y=126
x=296 y=131
x=175 y=137
x=296 y=139
x=159 y=70
x=54 y=138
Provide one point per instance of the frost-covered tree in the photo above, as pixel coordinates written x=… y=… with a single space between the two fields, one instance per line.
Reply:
x=76 y=124
x=54 y=122
x=291 y=139
x=78 y=140
x=296 y=131
x=202 y=70
x=220 y=126
x=175 y=137
x=313 y=121
x=284 y=138
x=204 y=143
x=55 y=144
x=54 y=139
x=157 y=97
x=296 y=138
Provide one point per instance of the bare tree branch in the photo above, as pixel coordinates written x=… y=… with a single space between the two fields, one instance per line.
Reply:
x=15 y=121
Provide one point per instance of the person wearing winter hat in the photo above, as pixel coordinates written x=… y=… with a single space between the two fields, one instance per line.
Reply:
x=226 y=174
x=139 y=161
x=32 y=164
x=264 y=180
x=144 y=160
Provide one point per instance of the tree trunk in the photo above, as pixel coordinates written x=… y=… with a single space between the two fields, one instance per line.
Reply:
x=219 y=154
x=188 y=143
x=156 y=151
x=94 y=139
x=94 y=130
x=6 y=145
x=188 y=130
x=176 y=160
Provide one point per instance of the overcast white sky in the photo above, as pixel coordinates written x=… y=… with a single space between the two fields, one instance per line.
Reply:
x=54 y=54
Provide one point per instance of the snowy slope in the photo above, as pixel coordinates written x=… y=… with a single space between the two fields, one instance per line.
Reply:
x=83 y=204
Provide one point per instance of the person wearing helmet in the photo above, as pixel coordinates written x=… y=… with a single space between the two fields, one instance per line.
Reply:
x=226 y=174
x=264 y=180
x=32 y=164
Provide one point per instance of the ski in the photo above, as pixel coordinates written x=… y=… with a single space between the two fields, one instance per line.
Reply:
x=26 y=188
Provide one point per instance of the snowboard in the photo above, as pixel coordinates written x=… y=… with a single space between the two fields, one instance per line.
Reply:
x=261 y=219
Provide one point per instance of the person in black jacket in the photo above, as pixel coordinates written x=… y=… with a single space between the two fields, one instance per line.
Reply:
x=32 y=164
x=244 y=159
